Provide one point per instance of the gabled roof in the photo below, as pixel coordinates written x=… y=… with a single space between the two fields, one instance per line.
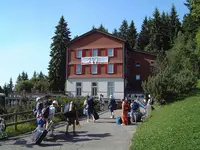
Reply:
x=145 y=52
x=99 y=31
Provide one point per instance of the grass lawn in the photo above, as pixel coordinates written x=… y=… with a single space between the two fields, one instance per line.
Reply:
x=172 y=127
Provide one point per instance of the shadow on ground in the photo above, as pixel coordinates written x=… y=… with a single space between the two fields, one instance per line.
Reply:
x=81 y=136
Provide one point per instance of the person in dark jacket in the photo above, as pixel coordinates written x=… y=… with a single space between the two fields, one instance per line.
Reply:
x=112 y=106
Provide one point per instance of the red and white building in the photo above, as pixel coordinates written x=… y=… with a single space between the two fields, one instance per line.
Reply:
x=100 y=63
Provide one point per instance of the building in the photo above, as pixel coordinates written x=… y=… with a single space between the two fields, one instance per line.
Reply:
x=97 y=64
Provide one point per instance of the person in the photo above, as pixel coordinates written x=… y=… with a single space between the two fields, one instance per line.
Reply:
x=72 y=117
x=112 y=106
x=134 y=109
x=151 y=99
x=148 y=110
x=90 y=109
x=125 y=108
x=52 y=111
x=39 y=107
x=102 y=102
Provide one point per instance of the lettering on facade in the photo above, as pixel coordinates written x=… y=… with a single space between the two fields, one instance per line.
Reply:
x=94 y=60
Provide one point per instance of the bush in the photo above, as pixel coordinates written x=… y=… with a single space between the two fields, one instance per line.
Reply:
x=167 y=85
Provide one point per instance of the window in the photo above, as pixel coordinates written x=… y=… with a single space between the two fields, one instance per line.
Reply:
x=110 y=88
x=78 y=69
x=94 y=52
x=137 y=77
x=78 y=88
x=110 y=68
x=79 y=53
x=94 y=89
x=110 y=52
x=94 y=69
x=137 y=64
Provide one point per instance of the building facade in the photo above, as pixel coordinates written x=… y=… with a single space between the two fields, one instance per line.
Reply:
x=97 y=64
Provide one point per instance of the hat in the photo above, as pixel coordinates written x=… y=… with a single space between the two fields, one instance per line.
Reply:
x=55 y=102
x=37 y=99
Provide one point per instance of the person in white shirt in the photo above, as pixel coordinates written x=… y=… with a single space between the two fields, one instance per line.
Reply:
x=52 y=111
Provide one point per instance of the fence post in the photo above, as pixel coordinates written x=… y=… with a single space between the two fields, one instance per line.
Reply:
x=61 y=108
x=16 y=122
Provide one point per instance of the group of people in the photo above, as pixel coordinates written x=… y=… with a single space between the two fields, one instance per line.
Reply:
x=131 y=109
x=44 y=113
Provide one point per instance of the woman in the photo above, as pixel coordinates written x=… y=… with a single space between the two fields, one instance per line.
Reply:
x=125 y=109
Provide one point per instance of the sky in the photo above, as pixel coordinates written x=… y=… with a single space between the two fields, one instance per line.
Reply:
x=27 y=26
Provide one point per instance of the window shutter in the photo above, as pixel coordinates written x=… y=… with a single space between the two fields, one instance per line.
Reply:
x=115 y=52
x=74 y=53
x=90 y=69
x=106 y=68
x=99 y=52
x=99 y=69
x=83 y=69
x=83 y=53
x=106 y=54
x=91 y=52
x=115 y=68
x=75 y=69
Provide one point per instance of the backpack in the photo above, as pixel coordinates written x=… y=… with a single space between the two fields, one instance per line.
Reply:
x=67 y=106
x=119 y=120
x=45 y=112
x=134 y=106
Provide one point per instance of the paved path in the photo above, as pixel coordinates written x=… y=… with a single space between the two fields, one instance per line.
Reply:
x=105 y=134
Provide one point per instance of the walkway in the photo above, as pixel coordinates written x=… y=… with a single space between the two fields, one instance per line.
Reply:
x=105 y=134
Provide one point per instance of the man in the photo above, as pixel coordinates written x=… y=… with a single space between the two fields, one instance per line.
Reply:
x=52 y=111
x=101 y=102
x=112 y=106
x=72 y=117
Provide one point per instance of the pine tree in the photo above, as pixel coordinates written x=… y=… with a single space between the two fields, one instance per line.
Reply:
x=123 y=30
x=19 y=79
x=35 y=74
x=23 y=76
x=1 y=90
x=144 y=35
x=93 y=27
x=165 y=31
x=41 y=75
x=75 y=36
x=132 y=35
x=175 y=25
x=57 y=64
x=156 y=36
x=10 y=85
x=102 y=28
x=115 y=33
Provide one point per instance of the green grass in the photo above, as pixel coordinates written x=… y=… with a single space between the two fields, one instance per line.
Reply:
x=172 y=127
x=21 y=129
x=26 y=127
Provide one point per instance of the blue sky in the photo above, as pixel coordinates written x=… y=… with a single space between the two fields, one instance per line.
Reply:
x=26 y=27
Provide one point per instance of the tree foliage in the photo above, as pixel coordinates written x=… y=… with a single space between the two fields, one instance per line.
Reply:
x=132 y=35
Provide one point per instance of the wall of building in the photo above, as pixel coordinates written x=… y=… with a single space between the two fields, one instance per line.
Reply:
x=144 y=70
x=102 y=42
x=102 y=86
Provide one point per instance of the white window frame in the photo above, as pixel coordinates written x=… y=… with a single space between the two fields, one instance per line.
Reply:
x=137 y=64
x=78 y=87
x=112 y=86
x=94 y=52
x=110 y=52
x=112 y=70
x=94 y=89
x=137 y=77
x=94 y=69
x=78 y=70
x=79 y=53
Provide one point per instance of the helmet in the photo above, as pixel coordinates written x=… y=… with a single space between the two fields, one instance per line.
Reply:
x=37 y=99
x=55 y=102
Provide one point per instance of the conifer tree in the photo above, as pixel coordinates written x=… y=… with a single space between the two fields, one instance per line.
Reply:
x=132 y=35
x=57 y=64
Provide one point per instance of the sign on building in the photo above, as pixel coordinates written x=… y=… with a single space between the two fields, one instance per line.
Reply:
x=94 y=60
